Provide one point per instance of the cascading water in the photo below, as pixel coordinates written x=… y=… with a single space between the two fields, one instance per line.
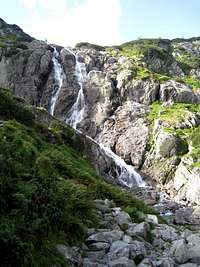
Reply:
x=125 y=173
x=58 y=80
x=77 y=110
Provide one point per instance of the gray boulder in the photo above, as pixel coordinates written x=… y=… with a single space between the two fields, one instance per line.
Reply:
x=173 y=91
x=108 y=237
x=122 y=262
x=118 y=249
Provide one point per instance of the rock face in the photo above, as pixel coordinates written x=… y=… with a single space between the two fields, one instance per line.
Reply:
x=121 y=88
x=187 y=183
x=177 y=92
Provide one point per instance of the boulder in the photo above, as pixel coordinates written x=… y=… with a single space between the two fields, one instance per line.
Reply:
x=187 y=182
x=173 y=91
x=140 y=229
x=72 y=254
x=180 y=251
x=166 y=145
x=122 y=218
x=193 y=247
x=141 y=91
x=122 y=262
x=138 y=250
x=165 y=232
x=118 y=249
x=108 y=237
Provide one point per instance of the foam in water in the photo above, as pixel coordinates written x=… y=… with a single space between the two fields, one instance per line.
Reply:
x=58 y=77
x=77 y=110
x=125 y=173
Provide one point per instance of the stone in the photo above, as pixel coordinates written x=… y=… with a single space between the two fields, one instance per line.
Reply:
x=165 y=232
x=193 y=247
x=146 y=263
x=166 y=144
x=122 y=218
x=187 y=182
x=96 y=256
x=72 y=254
x=188 y=265
x=180 y=251
x=108 y=237
x=99 y=246
x=127 y=239
x=140 y=229
x=181 y=176
x=118 y=249
x=183 y=216
x=141 y=91
x=88 y=263
x=176 y=92
x=165 y=262
x=151 y=218
x=138 y=250
x=122 y=262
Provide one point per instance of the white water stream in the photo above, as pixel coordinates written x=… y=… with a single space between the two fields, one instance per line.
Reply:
x=125 y=173
x=77 y=110
x=58 y=80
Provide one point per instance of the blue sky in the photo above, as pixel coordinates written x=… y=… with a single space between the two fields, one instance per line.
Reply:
x=67 y=22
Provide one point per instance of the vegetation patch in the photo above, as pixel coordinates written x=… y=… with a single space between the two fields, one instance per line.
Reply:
x=194 y=83
x=172 y=114
x=47 y=189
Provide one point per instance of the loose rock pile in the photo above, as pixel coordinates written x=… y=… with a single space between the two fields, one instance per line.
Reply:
x=119 y=242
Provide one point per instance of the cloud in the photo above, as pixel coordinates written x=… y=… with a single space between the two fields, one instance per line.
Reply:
x=68 y=22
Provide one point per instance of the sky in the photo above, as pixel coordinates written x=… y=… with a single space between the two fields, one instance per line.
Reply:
x=103 y=22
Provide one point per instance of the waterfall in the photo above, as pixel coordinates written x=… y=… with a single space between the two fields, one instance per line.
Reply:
x=77 y=110
x=58 y=80
x=125 y=173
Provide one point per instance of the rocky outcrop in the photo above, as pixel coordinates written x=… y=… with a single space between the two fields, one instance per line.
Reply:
x=28 y=68
x=128 y=244
x=120 y=86
x=187 y=183
x=173 y=91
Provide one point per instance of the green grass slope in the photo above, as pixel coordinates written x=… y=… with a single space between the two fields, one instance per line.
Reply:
x=47 y=188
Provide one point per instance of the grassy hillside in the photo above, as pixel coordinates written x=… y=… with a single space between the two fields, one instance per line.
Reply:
x=47 y=188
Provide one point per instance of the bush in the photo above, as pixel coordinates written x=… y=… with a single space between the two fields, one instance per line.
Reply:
x=10 y=108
